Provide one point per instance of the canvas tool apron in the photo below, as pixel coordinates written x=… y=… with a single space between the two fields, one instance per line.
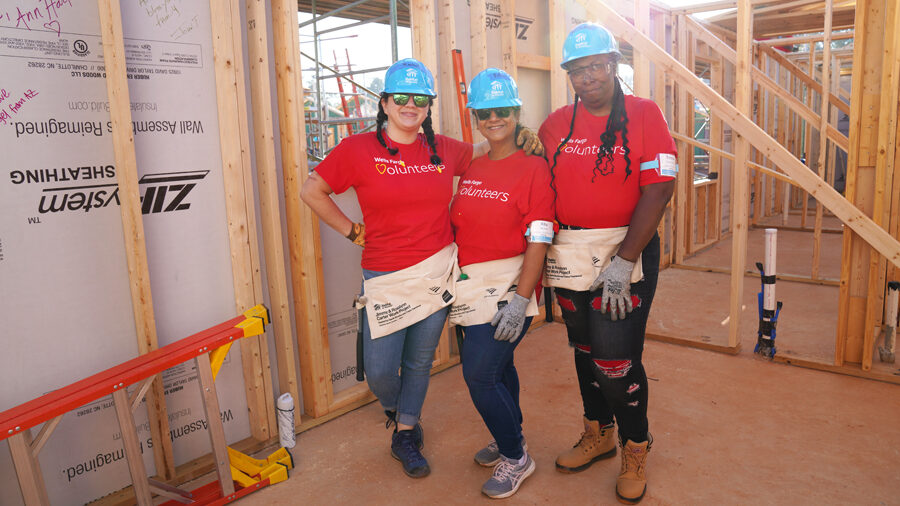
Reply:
x=488 y=284
x=577 y=257
x=399 y=299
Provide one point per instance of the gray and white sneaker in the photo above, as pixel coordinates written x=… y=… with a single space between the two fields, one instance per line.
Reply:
x=507 y=477
x=489 y=456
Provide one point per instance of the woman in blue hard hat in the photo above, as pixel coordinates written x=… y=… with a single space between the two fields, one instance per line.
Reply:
x=502 y=218
x=404 y=183
x=613 y=170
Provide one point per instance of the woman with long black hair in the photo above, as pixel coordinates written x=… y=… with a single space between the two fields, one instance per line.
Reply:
x=613 y=171
x=404 y=183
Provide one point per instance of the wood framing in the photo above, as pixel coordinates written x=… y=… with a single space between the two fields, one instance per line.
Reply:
x=823 y=127
x=478 y=34
x=424 y=48
x=740 y=193
x=885 y=171
x=270 y=213
x=446 y=28
x=302 y=225
x=508 y=57
x=869 y=48
x=558 y=79
x=132 y=223
x=818 y=188
x=685 y=183
x=641 y=64
x=234 y=144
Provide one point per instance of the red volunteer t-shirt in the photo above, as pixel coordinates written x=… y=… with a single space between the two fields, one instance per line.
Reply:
x=495 y=202
x=404 y=198
x=605 y=198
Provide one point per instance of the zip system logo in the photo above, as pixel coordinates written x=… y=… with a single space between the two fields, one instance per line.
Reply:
x=492 y=20
x=160 y=193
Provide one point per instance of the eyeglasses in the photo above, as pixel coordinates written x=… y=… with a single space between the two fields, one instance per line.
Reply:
x=419 y=100
x=501 y=112
x=593 y=69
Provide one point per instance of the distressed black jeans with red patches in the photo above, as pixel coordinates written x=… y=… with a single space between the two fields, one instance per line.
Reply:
x=608 y=353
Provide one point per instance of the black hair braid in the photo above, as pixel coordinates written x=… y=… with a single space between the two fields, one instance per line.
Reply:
x=379 y=125
x=617 y=122
x=560 y=146
x=429 y=136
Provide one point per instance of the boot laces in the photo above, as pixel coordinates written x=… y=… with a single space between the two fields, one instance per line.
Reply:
x=587 y=441
x=634 y=461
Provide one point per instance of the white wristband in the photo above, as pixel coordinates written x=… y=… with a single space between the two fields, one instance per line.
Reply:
x=540 y=231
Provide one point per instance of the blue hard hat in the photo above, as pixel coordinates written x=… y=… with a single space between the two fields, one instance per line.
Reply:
x=589 y=39
x=409 y=76
x=493 y=88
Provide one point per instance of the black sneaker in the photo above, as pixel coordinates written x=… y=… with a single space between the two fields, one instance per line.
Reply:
x=404 y=449
x=418 y=432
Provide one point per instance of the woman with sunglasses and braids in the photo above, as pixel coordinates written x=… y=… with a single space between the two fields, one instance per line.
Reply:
x=502 y=218
x=613 y=171
x=404 y=183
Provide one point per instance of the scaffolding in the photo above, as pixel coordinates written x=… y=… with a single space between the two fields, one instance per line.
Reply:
x=323 y=131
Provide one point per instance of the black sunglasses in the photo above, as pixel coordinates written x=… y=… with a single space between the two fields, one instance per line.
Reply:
x=501 y=112
x=403 y=99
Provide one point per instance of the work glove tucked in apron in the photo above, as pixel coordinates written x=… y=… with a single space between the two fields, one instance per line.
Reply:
x=486 y=288
x=577 y=257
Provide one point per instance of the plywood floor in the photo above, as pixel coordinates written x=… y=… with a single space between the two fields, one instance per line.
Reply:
x=728 y=430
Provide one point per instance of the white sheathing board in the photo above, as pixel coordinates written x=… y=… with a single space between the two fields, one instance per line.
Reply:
x=64 y=295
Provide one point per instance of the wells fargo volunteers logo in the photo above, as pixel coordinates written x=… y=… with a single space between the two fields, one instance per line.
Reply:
x=398 y=167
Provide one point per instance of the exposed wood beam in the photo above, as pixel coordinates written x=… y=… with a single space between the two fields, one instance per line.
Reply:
x=558 y=80
x=818 y=188
x=806 y=39
x=823 y=139
x=779 y=57
x=132 y=223
x=234 y=140
x=424 y=26
x=446 y=28
x=730 y=156
x=508 y=44
x=715 y=6
x=796 y=104
x=267 y=183
x=533 y=61
x=740 y=195
x=307 y=281
x=641 y=63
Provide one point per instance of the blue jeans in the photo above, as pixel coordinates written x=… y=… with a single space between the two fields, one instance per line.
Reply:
x=409 y=351
x=493 y=383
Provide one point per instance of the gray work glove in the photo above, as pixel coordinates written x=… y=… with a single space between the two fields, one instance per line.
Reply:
x=616 y=281
x=510 y=319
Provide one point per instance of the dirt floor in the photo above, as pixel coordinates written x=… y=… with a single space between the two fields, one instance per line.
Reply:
x=727 y=429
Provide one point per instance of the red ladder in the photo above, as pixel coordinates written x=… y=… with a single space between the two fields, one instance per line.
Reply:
x=208 y=348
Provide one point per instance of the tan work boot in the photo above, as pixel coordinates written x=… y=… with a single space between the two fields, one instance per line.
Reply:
x=632 y=481
x=596 y=443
